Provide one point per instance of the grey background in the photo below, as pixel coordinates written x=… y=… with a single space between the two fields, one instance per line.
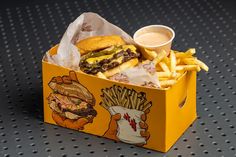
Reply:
x=29 y=28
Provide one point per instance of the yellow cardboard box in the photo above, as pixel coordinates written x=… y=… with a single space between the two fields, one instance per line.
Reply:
x=170 y=114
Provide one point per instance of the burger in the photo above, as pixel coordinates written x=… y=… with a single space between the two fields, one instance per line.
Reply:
x=71 y=103
x=106 y=54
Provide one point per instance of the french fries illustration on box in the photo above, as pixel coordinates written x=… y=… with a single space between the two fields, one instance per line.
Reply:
x=71 y=103
x=128 y=110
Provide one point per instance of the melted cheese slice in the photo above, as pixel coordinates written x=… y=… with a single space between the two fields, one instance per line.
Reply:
x=100 y=58
x=131 y=47
x=119 y=60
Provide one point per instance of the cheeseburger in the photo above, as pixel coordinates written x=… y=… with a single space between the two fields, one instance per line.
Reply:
x=106 y=54
x=72 y=104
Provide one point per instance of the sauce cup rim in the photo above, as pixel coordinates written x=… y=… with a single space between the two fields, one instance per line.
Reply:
x=149 y=46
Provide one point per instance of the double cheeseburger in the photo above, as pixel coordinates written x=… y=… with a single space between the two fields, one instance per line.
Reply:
x=106 y=54
x=72 y=104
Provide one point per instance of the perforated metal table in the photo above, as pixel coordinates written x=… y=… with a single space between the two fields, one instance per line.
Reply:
x=29 y=28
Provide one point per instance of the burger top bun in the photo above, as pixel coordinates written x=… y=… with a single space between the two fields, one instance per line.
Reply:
x=98 y=42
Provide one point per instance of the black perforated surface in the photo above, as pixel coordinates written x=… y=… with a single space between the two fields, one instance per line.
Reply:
x=29 y=28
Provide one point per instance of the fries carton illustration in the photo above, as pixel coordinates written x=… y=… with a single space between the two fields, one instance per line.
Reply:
x=131 y=108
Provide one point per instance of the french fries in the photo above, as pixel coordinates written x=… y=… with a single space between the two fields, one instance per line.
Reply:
x=149 y=54
x=159 y=57
x=170 y=69
x=191 y=51
x=164 y=67
x=164 y=74
x=187 y=68
x=122 y=96
x=178 y=61
x=202 y=65
x=172 y=61
x=101 y=75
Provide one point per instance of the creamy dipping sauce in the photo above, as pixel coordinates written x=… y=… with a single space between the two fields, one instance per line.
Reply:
x=152 y=38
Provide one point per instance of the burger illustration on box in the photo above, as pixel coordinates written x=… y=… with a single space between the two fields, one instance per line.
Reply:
x=71 y=102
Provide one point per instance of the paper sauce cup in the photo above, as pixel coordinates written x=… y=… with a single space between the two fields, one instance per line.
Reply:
x=161 y=30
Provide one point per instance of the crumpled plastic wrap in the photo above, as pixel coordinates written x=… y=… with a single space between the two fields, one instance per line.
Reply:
x=87 y=25
x=143 y=74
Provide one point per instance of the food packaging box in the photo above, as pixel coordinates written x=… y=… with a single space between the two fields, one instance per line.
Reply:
x=171 y=111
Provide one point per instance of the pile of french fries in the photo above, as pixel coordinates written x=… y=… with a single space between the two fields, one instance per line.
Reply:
x=128 y=98
x=170 y=68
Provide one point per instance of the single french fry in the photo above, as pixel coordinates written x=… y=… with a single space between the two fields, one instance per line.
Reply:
x=198 y=68
x=166 y=60
x=166 y=83
x=127 y=104
x=101 y=75
x=135 y=99
x=148 y=54
x=146 y=106
x=131 y=97
x=191 y=51
x=158 y=68
x=178 y=61
x=164 y=66
x=114 y=95
x=141 y=107
x=173 y=74
x=202 y=65
x=117 y=93
x=124 y=102
x=138 y=100
x=146 y=61
x=103 y=104
x=163 y=78
x=189 y=61
x=107 y=102
x=143 y=100
x=183 y=55
x=159 y=57
x=124 y=93
x=178 y=74
x=187 y=68
x=164 y=74
x=172 y=61
x=180 y=68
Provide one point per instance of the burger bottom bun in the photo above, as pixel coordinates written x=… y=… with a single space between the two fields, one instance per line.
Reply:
x=122 y=67
x=76 y=124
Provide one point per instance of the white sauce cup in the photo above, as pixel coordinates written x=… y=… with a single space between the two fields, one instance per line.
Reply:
x=156 y=29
